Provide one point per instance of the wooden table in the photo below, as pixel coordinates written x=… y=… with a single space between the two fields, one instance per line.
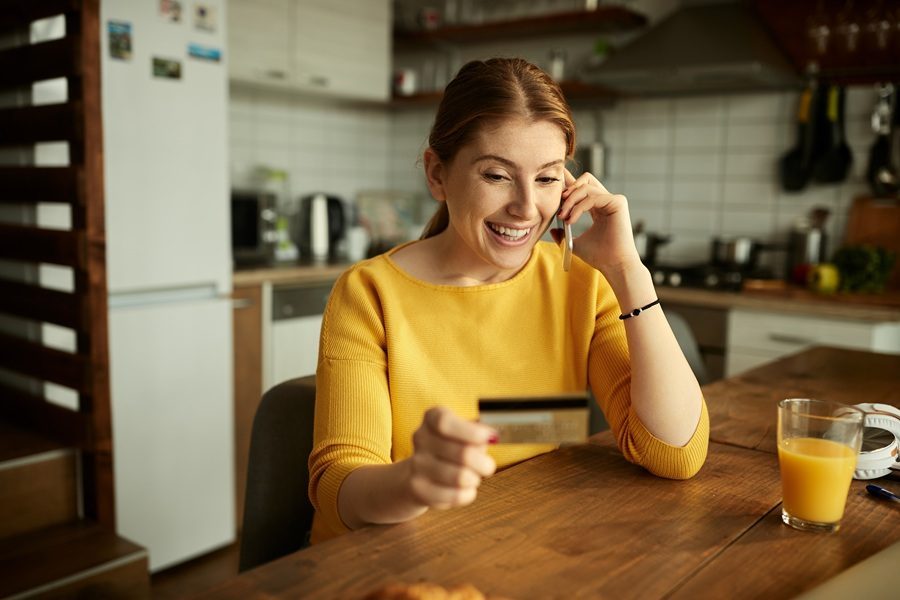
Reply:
x=583 y=523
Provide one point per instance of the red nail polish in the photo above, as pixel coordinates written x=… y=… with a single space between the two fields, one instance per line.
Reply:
x=493 y=439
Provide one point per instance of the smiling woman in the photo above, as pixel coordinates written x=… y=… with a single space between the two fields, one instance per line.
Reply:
x=480 y=307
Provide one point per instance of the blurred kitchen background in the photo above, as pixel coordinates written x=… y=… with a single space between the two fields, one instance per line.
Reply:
x=758 y=143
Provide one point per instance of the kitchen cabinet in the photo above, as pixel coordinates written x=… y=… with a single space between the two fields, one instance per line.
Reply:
x=757 y=337
x=247 y=319
x=333 y=48
x=258 y=40
x=296 y=322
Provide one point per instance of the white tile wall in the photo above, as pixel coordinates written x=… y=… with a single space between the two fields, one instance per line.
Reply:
x=694 y=168
x=324 y=146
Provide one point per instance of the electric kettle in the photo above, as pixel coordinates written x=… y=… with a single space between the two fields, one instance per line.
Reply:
x=322 y=226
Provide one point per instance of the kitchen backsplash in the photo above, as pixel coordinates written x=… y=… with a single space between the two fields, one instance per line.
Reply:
x=324 y=147
x=694 y=167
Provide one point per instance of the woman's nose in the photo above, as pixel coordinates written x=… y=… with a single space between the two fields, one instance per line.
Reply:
x=524 y=204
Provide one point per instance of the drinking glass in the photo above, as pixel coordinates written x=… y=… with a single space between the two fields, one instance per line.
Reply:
x=818 y=443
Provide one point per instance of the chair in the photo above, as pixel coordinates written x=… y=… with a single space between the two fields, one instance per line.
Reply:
x=277 y=511
x=688 y=344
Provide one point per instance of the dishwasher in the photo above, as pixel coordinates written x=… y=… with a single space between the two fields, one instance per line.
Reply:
x=296 y=322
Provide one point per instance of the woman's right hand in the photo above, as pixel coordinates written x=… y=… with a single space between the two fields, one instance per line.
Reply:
x=449 y=460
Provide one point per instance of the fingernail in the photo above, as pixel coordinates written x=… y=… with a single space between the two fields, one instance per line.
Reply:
x=493 y=439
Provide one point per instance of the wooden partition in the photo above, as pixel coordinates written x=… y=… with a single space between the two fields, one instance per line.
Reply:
x=75 y=57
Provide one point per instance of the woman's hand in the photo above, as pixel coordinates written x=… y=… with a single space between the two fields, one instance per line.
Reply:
x=608 y=245
x=450 y=459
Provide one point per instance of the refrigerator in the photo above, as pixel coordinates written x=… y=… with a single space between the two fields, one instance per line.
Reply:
x=165 y=139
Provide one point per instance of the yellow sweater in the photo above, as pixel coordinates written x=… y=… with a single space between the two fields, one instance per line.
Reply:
x=393 y=346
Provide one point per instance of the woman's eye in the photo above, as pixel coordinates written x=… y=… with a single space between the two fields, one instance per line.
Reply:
x=547 y=180
x=494 y=177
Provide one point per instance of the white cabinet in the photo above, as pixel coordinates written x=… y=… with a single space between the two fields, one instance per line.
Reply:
x=259 y=36
x=757 y=337
x=293 y=341
x=336 y=48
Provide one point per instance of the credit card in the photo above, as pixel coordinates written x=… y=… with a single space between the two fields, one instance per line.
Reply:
x=560 y=419
x=568 y=246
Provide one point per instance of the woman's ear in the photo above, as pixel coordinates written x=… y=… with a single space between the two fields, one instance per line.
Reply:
x=434 y=174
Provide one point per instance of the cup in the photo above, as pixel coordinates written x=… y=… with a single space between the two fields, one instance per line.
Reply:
x=818 y=443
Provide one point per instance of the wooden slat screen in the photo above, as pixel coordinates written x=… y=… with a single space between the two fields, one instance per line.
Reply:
x=15 y=13
x=80 y=185
x=37 y=62
x=34 y=244
x=63 y=425
x=49 y=364
x=47 y=123
x=29 y=185
x=37 y=303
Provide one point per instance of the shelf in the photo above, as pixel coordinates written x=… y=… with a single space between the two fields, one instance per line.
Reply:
x=789 y=24
x=605 y=19
x=576 y=92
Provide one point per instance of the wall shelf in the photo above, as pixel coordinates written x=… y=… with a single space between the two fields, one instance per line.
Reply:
x=605 y=19
x=576 y=92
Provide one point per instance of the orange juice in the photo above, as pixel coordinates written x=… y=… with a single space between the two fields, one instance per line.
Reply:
x=815 y=478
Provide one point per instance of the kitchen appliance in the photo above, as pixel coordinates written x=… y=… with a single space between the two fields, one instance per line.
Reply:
x=807 y=245
x=253 y=227
x=165 y=153
x=648 y=243
x=323 y=225
x=709 y=47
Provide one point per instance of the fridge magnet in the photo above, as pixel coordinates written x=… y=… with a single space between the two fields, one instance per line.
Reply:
x=119 y=39
x=205 y=52
x=204 y=17
x=170 y=10
x=165 y=68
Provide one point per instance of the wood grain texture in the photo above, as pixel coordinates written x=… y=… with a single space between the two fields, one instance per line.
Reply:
x=247 y=323
x=742 y=409
x=56 y=553
x=578 y=522
x=774 y=561
x=38 y=494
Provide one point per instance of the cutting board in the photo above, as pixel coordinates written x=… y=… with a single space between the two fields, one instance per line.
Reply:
x=876 y=221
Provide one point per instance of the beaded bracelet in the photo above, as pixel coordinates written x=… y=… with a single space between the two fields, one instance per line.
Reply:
x=638 y=311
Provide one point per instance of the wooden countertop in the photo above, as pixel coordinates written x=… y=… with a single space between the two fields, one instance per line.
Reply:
x=864 y=307
x=289 y=274
x=583 y=522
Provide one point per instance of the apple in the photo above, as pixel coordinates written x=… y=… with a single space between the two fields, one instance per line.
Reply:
x=824 y=278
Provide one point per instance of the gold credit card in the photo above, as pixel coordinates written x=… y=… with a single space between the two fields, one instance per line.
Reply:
x=561 y=419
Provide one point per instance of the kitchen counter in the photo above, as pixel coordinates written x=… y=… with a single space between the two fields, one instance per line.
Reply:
x=863 y=307
x=289 y=274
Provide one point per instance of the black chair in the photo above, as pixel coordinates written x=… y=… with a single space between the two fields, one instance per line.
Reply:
x=277 y=511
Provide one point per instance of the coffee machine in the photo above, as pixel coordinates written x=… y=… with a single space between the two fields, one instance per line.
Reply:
x=323 y=223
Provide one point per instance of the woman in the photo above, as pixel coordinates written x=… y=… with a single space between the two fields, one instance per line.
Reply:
x=480 y=307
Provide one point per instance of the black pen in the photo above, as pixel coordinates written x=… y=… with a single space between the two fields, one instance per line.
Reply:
x=880 y=492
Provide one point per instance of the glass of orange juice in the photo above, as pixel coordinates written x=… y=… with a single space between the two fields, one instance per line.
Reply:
x=818 y=442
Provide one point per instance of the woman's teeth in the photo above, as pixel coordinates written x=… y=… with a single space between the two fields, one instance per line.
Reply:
x=510 y=234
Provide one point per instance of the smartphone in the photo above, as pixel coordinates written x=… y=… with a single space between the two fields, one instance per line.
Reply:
x=567 y=246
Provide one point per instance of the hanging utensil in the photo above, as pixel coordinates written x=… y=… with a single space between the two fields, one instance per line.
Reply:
x=888 y=176
x=795 y=167
x=834 y=164
x=878 y=172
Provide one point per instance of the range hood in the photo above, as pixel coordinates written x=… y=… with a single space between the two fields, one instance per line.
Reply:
x=700 y=48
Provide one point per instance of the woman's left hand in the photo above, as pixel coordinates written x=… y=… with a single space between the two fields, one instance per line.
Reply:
x=608 y=244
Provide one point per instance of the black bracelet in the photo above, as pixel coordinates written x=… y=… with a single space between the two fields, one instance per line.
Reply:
x=638 y=311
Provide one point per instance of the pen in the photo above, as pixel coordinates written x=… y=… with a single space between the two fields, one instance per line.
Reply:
x=880 y=492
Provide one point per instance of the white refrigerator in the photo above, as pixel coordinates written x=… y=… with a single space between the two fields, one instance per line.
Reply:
x=165 y=138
